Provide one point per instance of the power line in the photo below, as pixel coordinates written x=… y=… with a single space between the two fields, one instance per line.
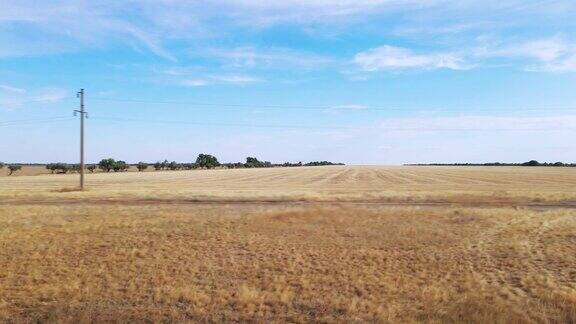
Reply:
x=319 y=107
x=285 y=126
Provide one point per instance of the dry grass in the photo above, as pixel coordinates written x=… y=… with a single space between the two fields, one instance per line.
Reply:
x=377 y=184
x=111 y=257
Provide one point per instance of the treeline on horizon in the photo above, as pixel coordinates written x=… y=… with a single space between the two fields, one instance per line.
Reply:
x=203 y=161
x=529 y=163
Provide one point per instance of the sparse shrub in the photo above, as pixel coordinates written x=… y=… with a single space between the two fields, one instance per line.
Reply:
x=120 y=166
x=14 y=168
x=158 y=166
x=1 y=165
x=91 y=168
x=58 y=167
x=141 y=166
x=174 y=166
x=189 y=166
x=74 y=168
x=51 y=167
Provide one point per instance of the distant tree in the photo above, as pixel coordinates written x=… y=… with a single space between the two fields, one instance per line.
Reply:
x=1 y=165
x=164 y=164
x=558 y=164
x=120 y=166
x=531 y=163
x=158 y=166
x=207 y=161
x=91 y=167
x=14 y=168
x=58 y=167
x=51 y=167
x=189 y=166
x=321 y=163
x=62 y=167
x=106 y=165
x=252 y=162
x=75 y=167
x=142 y=166
x=174 y=166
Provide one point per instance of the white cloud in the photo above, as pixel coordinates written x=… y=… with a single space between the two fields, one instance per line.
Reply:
x=253 y=57
x=14 y=98
x=195 y=82
x=220 y=79
x=50 y=95
x=554 y=54
x=396 y=58
x=9 y=88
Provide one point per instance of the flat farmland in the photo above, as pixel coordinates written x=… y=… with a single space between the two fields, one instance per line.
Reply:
x=336 y=183
x=329 y=244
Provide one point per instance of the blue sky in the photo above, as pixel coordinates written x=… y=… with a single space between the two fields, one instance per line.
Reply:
x=360 y=82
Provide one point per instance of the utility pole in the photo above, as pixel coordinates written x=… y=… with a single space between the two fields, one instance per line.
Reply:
x=82 y=113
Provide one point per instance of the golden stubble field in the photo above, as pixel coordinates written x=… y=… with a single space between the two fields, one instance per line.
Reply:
x=329 y=244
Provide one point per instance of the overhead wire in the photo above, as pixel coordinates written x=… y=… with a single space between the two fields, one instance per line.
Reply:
x=286 y=126
x=350 y=108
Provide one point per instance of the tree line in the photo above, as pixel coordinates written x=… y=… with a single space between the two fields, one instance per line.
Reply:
x=203 y=161
x=529 y=163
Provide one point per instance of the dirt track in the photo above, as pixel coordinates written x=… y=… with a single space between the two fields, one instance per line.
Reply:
x=295 y=203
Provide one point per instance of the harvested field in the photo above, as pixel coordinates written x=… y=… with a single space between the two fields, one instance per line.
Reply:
x=297 y=245
x=338 y=183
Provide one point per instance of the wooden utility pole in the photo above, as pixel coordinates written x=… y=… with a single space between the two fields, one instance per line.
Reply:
x=82 y=113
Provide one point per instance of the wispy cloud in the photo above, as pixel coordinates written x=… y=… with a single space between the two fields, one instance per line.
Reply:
x=396 y=58
x=553 y=54
x=14 y=98
x=8 y=88
x=220 y=79
x=271 y=57
x=351 y=106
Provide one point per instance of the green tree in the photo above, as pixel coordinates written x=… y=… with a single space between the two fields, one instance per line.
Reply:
x=75 y=168
x=120 y=166
x=51 y=167
x=174 y=165
x=91 y=168
x=14 y=168
x=207 y=161
x=142 y=166
x=531 y=163
x=106 y=165
x=58 y=167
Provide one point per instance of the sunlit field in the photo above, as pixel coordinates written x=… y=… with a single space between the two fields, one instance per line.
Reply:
x=329 y=244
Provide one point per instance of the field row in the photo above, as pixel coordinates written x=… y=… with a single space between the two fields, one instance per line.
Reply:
x=313 y=183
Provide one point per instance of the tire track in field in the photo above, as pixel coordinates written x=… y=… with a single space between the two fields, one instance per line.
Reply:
x=280 y=202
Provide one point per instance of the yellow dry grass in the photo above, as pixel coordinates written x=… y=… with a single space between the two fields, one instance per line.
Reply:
x=338 y=183
x=113 y=254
